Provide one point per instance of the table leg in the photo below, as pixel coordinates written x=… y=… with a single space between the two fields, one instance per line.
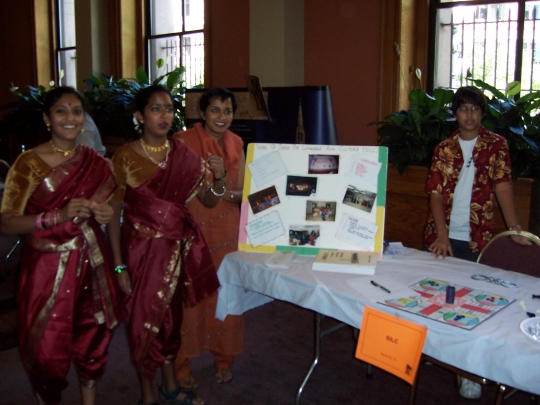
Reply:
x=319 y=334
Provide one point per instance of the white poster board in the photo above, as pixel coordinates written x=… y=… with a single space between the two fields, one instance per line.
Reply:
x=306 y=197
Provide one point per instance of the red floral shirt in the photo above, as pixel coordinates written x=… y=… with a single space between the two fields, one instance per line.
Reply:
x=491 y=166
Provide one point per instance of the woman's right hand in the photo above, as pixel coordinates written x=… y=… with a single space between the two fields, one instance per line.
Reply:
x=76 y=207
x=125 y=282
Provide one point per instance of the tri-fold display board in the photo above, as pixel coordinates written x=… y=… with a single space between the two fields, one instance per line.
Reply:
x=308 y=197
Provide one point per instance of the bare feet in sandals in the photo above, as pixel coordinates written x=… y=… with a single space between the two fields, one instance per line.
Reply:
x=180 y=395
x=190 y=398
x=223 y=375
x=189 y=382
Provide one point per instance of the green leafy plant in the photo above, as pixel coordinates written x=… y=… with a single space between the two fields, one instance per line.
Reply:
x=519 y=122
x=412 y=135
x=24 y=122
x=109 y=102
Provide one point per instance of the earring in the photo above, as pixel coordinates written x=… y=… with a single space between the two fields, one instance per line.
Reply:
x=49 y=127
x=82 y=130
x=142 y=122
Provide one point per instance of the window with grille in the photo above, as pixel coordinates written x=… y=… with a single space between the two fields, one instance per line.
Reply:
x=66 y=50
x=497 y=42
x=176 y=36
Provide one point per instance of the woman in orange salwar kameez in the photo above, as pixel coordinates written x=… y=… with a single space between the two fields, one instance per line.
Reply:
x=200 y=329
x=56 y=194
x=166 y=259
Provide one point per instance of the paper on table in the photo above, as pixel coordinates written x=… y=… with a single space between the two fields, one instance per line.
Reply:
x=363 y=286
x=395 y=249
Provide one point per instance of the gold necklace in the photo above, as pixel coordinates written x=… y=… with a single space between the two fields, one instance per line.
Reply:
x=155 y=148
x=163 y=163
x=64 y=152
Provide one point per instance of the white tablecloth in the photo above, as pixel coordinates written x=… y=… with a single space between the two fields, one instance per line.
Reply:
x=496 y=349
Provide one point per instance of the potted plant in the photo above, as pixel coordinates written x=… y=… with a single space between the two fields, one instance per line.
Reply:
x=411 y=136
x=23 y=127
x=108 y=101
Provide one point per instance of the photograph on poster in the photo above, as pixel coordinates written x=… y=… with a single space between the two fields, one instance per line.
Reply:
x=359 y=199
x=263 y=199
x=301 y=186
x=320 y=210
x=323 y=164
x=300 y=235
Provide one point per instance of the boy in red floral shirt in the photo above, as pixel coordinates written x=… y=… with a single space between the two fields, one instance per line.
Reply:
x=468 y=170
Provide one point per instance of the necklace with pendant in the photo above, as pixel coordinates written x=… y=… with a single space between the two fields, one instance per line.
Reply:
x=163 y=163
x=155 y=148
x=64 y=152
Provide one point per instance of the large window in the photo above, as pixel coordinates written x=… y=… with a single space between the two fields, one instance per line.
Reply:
x=497 y=42
x=66 y=51
x=176 y=36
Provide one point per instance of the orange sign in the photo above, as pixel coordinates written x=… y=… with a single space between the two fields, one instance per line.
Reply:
x=391 y=343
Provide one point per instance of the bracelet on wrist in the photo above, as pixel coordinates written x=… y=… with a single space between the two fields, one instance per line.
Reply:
x=47 y=218
x=120 y=268
x=514 y=227
x=222 y=178
x=38 y=222
x=216 y=193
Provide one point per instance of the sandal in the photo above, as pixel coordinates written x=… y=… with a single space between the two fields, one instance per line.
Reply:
x=171 y=397
x=223 y=375
x=188 y=382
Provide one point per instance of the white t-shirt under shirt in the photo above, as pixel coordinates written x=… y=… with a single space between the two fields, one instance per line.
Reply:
x=461 y=207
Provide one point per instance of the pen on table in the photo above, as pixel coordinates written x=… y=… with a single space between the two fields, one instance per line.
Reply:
x=380 y=286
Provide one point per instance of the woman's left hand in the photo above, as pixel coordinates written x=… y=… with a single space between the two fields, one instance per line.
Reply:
x=215 y=163
x=102 y=211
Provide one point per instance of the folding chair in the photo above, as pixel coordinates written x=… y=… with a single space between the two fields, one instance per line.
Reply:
x=502 y=252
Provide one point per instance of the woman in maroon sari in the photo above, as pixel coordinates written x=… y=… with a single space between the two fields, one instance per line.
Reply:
x=160 y=254
x=57 y=194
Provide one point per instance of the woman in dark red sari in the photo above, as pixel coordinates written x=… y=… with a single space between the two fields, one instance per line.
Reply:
x=57 y=194
x=160 y=254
